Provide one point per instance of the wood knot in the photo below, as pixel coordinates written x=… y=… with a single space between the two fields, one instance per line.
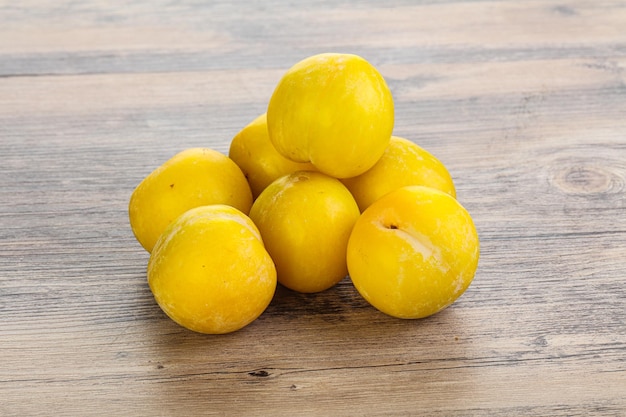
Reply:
x=587 y=177
x=259 y=373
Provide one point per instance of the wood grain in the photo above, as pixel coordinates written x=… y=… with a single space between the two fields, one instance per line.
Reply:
x=525 y=103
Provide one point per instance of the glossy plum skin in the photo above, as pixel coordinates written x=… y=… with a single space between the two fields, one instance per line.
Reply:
x=403 y=163
x=333 y=110
x=209 y=270
x=193 y=177
x=305 y=219
x=253 y=152
x=413 y=252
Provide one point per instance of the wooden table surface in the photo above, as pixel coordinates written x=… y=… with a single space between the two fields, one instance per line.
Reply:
x=524 y=102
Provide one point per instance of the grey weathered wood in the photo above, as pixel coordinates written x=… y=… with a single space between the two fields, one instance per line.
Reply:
x=524 y=101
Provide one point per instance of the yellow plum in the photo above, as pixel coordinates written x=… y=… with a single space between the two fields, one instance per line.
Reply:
x=333 y=110
x=402 y=163
x=191 y=178
x=209 y=270
x=413 y=252
x=305 y=219
x=260 y=162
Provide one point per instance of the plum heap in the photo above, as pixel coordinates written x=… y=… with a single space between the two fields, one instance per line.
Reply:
x=313 y=190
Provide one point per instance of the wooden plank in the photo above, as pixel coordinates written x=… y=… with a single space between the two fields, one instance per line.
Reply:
x=523 y=101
